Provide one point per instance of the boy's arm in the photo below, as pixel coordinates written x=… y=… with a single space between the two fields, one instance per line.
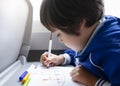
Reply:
x=102 y=82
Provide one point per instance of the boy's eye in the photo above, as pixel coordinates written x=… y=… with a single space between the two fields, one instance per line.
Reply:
x=58 y=35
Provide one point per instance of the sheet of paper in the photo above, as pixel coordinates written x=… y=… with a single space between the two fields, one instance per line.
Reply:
x=53 y=76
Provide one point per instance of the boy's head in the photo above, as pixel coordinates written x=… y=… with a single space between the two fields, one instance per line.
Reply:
x=68 y=15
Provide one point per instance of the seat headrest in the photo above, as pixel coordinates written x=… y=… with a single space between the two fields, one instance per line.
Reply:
x=13 y=19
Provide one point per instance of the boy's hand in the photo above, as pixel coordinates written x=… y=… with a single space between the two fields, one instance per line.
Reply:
x=53 y=60
x=81 y=75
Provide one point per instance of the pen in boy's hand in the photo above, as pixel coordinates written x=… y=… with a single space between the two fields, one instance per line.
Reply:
x=50 y=47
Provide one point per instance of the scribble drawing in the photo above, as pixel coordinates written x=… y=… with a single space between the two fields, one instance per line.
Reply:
x=53 y=73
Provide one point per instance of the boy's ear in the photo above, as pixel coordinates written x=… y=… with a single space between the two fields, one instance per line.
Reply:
x=81 y=26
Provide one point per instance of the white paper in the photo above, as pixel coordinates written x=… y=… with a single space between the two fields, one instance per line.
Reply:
x=53 y=76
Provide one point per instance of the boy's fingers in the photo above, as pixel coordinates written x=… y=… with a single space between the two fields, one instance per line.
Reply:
x=46 y=62
x=51 y=64
x=43 y=59
x=45 y=54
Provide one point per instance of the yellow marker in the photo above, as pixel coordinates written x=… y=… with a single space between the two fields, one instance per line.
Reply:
x=25 y=78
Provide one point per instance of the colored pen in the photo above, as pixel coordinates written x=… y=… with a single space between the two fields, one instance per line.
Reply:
x=23 y=75
x=25 y=78
x=26 y=72
x=27 y=82
x=50 y=47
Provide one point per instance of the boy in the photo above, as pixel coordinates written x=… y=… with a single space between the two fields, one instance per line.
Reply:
x=82 y=26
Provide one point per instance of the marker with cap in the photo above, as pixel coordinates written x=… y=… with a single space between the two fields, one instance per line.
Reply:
x=27 y=82
x=25 y=78
x=23 y=75
x=26 y=74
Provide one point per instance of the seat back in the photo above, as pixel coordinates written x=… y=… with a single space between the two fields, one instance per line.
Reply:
x=13 y=24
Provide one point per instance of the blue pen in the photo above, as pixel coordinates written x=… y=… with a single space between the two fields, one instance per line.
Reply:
x=23 y=75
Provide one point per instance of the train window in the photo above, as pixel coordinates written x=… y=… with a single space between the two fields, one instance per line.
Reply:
x=37 y=26
x=112 y=7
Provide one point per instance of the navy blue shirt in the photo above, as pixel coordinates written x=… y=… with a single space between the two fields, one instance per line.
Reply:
x=101 y=55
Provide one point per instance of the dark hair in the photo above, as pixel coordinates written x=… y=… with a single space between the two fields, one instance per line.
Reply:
x=67 y=15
